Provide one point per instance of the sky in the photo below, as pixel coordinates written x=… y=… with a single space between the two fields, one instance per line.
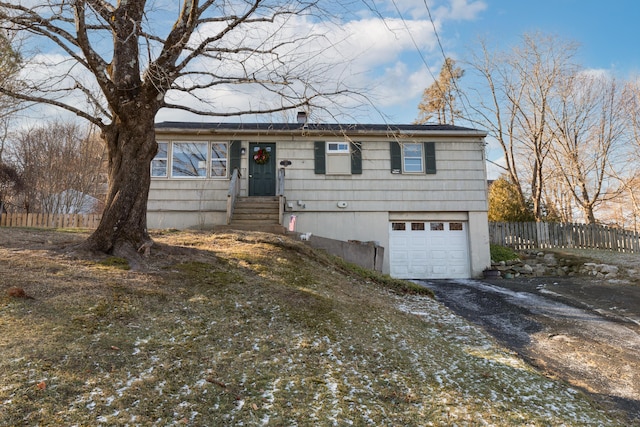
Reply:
x=607 y=33
x=388 y=49
x=390 y=52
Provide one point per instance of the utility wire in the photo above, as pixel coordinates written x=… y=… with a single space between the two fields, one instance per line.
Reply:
x=444 y=55
x=415 y=44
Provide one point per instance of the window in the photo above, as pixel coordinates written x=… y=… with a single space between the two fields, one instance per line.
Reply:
x=159 y=162
x=219 y=159
x=436 y=226
x=195 y=159
x=412 y=158
x=189 y=160
x=398 y=226
x=417 y=226
x=455 y=226
x=337 y=147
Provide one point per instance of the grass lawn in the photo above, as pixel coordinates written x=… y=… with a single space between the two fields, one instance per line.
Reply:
x=247 y=329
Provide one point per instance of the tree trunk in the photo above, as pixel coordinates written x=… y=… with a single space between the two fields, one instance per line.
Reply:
x=131 y=147
x=589 y=216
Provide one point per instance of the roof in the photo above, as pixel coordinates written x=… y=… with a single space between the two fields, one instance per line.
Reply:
x=317 y=128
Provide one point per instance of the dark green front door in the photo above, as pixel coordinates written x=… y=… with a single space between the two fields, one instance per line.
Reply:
x=262 y=169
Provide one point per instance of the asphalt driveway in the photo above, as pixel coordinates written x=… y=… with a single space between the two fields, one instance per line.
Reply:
x=583 y=330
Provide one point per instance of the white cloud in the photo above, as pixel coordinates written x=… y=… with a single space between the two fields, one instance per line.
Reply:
x=371 y=56
x=383 y=58
x=461 y=10
x=441 y=10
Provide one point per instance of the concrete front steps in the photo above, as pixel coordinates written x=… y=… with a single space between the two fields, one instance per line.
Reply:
x=255 y=214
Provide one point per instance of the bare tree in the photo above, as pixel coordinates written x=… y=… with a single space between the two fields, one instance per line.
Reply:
x=62 y=166
x=127 y=60
x=588 y=127
x=521 y=83
x=11 y=184
x=629 y=174
x=10 y=62
x=439 y=100
x=557 y=197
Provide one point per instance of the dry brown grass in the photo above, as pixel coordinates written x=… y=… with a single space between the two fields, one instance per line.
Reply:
x=246 y=329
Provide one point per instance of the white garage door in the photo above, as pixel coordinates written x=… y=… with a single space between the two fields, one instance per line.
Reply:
x=429 y=250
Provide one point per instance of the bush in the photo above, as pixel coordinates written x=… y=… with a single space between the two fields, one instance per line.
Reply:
x=502 y=253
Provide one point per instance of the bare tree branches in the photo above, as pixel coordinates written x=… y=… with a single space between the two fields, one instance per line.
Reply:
x=210 y=45
x=560 y=127
x=522 y=83
x=62 y=166
x=588 y=128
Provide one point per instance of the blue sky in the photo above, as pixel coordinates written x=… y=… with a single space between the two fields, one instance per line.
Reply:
x=387 y=49
x=608 y=34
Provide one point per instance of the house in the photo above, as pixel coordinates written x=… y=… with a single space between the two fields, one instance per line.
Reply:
x=419 y=191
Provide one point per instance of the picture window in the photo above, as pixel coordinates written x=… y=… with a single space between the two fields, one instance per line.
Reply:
x=189 y=160
x=193 y=159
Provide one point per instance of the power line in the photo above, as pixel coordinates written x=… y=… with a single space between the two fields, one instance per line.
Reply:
x=444 y=55
x=424 y=61
x=453 y=81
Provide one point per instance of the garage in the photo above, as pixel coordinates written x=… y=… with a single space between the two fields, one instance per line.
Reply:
x=429 y=249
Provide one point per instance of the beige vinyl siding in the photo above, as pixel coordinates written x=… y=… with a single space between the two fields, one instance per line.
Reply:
x=188 y=194
x=458 y=184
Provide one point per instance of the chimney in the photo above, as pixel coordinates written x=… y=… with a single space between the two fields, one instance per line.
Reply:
x=302 y=118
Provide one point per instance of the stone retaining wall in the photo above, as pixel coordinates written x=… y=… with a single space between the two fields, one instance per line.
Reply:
x=550 y=264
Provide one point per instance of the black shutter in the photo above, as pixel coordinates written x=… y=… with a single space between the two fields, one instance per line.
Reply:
x=234 y=156
x=430 y=157
x=356 y=158
x=319 y=157
x=396 y=157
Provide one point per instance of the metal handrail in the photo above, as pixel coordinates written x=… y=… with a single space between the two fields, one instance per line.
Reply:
x=232 y=194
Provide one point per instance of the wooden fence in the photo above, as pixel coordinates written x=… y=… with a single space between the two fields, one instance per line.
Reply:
x=531 y=235
x=49 y=220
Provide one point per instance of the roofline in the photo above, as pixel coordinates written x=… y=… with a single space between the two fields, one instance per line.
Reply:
x=390 y=130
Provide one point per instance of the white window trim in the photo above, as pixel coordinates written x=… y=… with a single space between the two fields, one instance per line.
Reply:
x=219 y=159
x=404 y=158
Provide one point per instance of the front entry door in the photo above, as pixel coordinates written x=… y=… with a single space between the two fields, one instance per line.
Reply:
x=262 y=169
